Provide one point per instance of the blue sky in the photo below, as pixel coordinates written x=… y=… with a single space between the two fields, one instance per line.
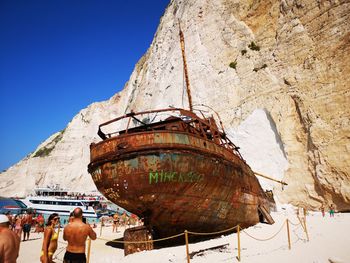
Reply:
x=59 y=56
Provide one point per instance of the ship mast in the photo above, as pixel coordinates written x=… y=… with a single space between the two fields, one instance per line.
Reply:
x=182 y=42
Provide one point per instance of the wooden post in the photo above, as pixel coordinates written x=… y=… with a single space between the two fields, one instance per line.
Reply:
x=101 y=227
x=187 y=249
x=289 y=244
x=88 y=252
x=239 y=243
x=305 y=229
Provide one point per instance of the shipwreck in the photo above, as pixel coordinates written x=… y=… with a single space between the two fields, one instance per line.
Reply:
x=177 y=169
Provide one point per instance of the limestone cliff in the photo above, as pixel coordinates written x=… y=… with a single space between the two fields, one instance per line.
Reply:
x=287 y=60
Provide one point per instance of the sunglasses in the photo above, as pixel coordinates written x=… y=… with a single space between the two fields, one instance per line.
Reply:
x=56 y=218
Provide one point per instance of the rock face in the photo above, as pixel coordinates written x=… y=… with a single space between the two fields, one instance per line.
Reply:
x=285 y=62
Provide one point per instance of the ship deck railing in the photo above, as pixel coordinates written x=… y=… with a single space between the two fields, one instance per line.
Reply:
x=186 y=121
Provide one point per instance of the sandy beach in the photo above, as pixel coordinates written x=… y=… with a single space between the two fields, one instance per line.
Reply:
x=328 y=242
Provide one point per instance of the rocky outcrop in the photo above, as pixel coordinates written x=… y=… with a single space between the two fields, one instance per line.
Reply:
x=286 y=58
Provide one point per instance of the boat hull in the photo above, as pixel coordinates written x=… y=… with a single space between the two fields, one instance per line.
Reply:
x=177 y=182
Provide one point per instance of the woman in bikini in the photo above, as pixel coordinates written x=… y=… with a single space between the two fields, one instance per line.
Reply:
x=50 y=239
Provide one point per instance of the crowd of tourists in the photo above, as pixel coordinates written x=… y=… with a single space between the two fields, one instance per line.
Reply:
x=23 y=223
x=75 y=233
x=122 y=220
x=17 y=228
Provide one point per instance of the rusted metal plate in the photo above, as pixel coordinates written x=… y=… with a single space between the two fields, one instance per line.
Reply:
x=134 y=143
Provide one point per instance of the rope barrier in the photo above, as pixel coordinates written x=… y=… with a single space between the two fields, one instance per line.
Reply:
x=141 y=242
x=62 y=249
x=211 y=233
x=303 y=224
x=197 y=233
x=294 y=223
x=300 y=220
x=305 y=230
x=186 y=233
x=266 y=238
x=166 y=238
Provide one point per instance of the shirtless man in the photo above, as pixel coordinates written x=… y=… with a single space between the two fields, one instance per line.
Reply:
x=27 y=225
x=9 y=242
x=76 y=233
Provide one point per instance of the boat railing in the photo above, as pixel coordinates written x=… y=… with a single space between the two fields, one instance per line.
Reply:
x=71 y=197
x=169 y=119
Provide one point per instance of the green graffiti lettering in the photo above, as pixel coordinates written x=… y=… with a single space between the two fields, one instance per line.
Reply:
x=180 y=179
x=194 y=177
x=197 y=177
x=201 y=178
x=153 y=176
x=171 y=176
x=188 y=177
x=174 y=177
x=161 y=176
x=191 y=176
x=184 y=178
x=167 y=177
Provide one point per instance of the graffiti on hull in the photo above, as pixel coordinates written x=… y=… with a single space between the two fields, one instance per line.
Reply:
x=156 y=177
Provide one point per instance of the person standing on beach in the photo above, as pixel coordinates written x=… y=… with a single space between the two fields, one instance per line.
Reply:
x=9 y=242
x=50 y=239
x=27 y=225
x=76 y=234
x=18 y=225
x=115 y=222
x=322 y=210
x=71 y=218
x=40 y=224
x=331 y=210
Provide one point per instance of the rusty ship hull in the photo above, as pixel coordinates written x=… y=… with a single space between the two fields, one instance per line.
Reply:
x=179 y=174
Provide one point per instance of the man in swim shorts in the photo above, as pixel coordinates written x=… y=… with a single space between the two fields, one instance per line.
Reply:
x=76 y=234
x=27 y=225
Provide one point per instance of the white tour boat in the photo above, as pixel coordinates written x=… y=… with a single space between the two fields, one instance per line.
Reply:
x=49 y=200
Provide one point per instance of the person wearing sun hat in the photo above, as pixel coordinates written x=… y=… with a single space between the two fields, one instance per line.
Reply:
x=9 y=241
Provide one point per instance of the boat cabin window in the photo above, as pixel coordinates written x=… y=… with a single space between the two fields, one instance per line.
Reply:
x=46 y=202
x=51 y=193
